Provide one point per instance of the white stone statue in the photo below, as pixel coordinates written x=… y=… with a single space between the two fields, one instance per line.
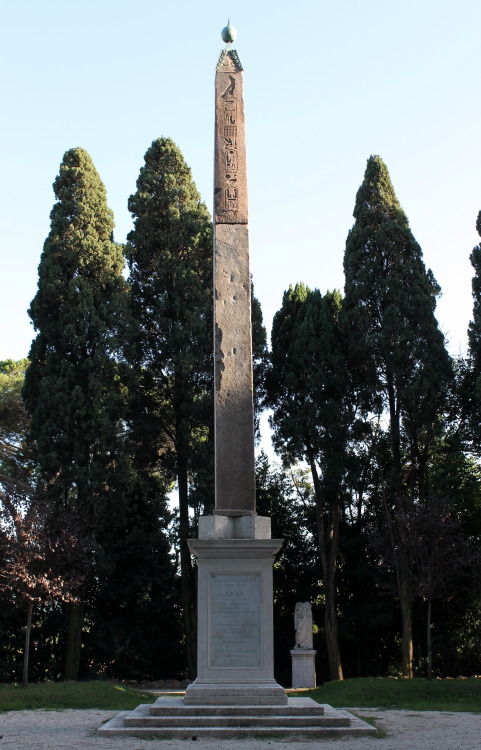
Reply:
x=303 y=625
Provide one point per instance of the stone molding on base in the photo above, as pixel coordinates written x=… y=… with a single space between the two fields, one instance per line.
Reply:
x=222 y=526
x=235 y=659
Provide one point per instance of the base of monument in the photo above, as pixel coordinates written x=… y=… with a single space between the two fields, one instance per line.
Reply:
x=170 y=718
x=230 y=694
x=303 y=668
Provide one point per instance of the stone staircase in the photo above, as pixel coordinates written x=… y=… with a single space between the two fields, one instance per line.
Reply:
x=170 y=718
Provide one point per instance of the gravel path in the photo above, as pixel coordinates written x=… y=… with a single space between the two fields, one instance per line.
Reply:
x=75 y=730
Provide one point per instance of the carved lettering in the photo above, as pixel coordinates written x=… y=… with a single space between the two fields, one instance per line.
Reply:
x=231 y=160
x=230 y=117
x=230 y=88
x=235 y=618
x=231 y=199
x=231 y=142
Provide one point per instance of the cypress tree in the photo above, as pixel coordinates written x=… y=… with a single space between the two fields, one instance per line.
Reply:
x=310 y=395
x=396 y=349
x=72 y=387
x=473 y=384
x=169 y=253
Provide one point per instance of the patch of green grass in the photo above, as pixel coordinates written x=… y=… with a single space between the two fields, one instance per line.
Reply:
x=414 y=695
x=55 y=696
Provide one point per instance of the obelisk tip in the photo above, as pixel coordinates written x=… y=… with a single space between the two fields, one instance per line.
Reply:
x=229 y=34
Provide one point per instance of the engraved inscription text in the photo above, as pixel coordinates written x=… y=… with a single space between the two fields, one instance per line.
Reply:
x=235 y=620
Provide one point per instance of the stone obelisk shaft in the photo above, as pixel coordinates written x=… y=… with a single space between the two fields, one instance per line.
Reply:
x=234 y=413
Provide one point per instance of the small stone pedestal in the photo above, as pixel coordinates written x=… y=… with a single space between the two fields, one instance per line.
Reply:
x=235 y=662
x=303 y=668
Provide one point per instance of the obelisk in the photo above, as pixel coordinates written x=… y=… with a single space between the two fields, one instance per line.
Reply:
x=235 y=658
x=234 y=415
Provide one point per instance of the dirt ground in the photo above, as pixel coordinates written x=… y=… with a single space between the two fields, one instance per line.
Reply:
x=403 y=730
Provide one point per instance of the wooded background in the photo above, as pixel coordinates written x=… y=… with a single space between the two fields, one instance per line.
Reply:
x=376 y=492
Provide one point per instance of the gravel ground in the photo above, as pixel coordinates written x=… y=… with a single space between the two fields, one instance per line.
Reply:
x=405 y=730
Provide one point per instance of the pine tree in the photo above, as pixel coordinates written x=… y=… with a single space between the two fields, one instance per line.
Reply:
x=169 y=254
x=396 y=348
x=72 y=387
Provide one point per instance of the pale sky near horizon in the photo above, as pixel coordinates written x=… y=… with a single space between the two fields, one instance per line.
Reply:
x=326 y=85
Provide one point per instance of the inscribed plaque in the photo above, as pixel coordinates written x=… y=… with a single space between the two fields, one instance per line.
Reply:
x=235 y=630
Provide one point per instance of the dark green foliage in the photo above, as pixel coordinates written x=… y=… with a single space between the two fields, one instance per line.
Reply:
x=474 y=332
x=286 y=497
x=72 y=387
x=75 y=390
x=396 y=349
x=309 y=379
x=14 y=419
x=169 y=254
x=472 y=379
x=260 y=355
x=309 y=391
x=395 y=344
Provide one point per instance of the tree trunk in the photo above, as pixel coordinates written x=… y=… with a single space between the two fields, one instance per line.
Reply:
x=406 y=601
x=74 y=639
x=329 y=568
x=26 y=650
x=428 y=634
x=332 y=637
x=186 y=571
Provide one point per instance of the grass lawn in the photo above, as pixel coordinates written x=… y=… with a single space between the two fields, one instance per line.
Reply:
x=58 y=695
x=372 y=692
x=414 y=695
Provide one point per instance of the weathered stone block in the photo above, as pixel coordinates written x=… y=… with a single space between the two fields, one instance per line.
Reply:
x=303 y=668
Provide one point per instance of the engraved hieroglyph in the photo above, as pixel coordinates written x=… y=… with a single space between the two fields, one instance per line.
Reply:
x=234 y=413
x=230 y=179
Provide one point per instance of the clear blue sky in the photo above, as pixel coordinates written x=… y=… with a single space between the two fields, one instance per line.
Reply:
x=327 y=85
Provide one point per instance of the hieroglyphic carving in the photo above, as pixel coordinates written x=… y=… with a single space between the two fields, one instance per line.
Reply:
x=231 y=184
x=231 y=195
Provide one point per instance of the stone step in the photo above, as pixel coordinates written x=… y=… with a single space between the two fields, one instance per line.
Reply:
x=234 y=721
x=275 y=732
x=295 y=706
x=191 y=725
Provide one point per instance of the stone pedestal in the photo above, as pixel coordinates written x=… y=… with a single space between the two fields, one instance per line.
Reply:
x=235 y=655
x=303 y=668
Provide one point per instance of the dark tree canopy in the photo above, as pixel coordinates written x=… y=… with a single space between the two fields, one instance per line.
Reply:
x=395 y=344
x=473 y=393
x=72 y=387
x=396 y=349
x=169 y=253
x=309 y=392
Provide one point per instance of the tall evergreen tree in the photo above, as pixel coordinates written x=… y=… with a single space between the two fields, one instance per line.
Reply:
x=312 y=412
x=395 y=345
x=72 y=388
x=472 y=389
x=14 y=419
x=169 y=253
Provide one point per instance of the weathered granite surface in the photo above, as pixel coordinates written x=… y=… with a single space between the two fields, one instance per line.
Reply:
x=230 y=173
x=234 y=411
